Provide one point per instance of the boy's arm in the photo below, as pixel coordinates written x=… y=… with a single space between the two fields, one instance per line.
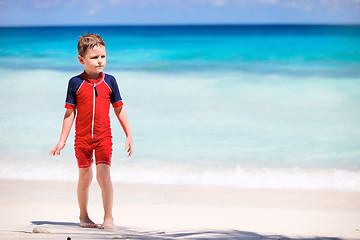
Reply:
x=122 y=117
x=67 y=124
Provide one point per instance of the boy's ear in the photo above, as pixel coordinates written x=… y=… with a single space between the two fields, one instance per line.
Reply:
x=81 y=59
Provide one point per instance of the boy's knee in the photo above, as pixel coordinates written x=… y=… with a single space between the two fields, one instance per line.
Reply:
x=86 y=176
x=103 y=177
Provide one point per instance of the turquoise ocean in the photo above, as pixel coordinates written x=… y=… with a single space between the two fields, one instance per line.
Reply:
x=247 y=106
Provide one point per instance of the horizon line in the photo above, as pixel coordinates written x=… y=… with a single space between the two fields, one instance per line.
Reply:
x=181 y=25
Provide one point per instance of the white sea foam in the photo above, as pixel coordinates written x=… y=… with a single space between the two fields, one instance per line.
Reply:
x=239 y=177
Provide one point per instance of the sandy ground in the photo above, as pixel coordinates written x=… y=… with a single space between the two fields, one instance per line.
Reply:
x=178 y=212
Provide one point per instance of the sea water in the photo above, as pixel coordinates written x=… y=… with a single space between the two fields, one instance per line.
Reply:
x=253 y=106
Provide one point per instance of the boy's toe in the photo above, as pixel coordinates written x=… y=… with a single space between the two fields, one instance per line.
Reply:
x=107 y=226
x=87 y=223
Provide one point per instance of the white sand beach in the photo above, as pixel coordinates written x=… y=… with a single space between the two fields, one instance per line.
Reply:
x=178 y=212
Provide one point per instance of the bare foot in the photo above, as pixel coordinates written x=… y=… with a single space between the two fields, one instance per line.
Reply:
x=87 y=223
x=108 y=224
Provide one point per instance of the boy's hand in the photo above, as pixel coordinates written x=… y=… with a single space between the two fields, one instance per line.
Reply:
x=56 y=150
x=129 y=146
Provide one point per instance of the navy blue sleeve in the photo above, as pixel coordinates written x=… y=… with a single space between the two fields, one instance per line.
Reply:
x=74 y=85
x=115 y=96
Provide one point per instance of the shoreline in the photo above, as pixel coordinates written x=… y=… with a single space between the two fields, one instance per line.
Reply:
x=145 y=211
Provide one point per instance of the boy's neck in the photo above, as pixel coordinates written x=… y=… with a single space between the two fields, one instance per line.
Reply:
x=93 y=80
x=93 y=76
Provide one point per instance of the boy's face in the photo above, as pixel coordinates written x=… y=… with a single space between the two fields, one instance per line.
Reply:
x=94 y=61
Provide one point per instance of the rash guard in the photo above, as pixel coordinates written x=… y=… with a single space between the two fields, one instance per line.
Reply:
x=91 y=98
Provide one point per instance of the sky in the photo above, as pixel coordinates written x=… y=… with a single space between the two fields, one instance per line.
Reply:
x=153 y=12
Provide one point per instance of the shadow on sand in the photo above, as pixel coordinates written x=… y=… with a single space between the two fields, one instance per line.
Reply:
x=39 y=223
x=76 y=232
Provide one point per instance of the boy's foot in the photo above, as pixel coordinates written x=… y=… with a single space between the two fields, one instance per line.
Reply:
x=87 y=223
x=108 y=225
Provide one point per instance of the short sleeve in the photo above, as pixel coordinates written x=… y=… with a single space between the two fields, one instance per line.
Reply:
x=74 y=84
x=115 y=96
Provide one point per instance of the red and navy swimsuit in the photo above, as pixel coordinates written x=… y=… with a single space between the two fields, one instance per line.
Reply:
x=91 y=98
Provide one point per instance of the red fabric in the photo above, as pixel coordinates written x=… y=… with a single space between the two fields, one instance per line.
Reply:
x=102 y=148
x=118 y=104
x=85 y=127
x=69 y=106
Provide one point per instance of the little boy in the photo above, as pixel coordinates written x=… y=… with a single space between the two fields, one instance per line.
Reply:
x=89 y=96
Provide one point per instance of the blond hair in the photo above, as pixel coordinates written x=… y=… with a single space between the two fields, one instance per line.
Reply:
x=89 y=41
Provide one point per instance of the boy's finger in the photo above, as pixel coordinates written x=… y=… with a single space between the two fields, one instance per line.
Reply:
x=130 y=151
x=52 y=152
x=127 y=147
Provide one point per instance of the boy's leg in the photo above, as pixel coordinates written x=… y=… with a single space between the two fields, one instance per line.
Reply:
x=104 y=180
x=85 y=178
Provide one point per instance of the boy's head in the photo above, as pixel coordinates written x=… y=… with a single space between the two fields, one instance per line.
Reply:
x=92 y=54
x=89 y=41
